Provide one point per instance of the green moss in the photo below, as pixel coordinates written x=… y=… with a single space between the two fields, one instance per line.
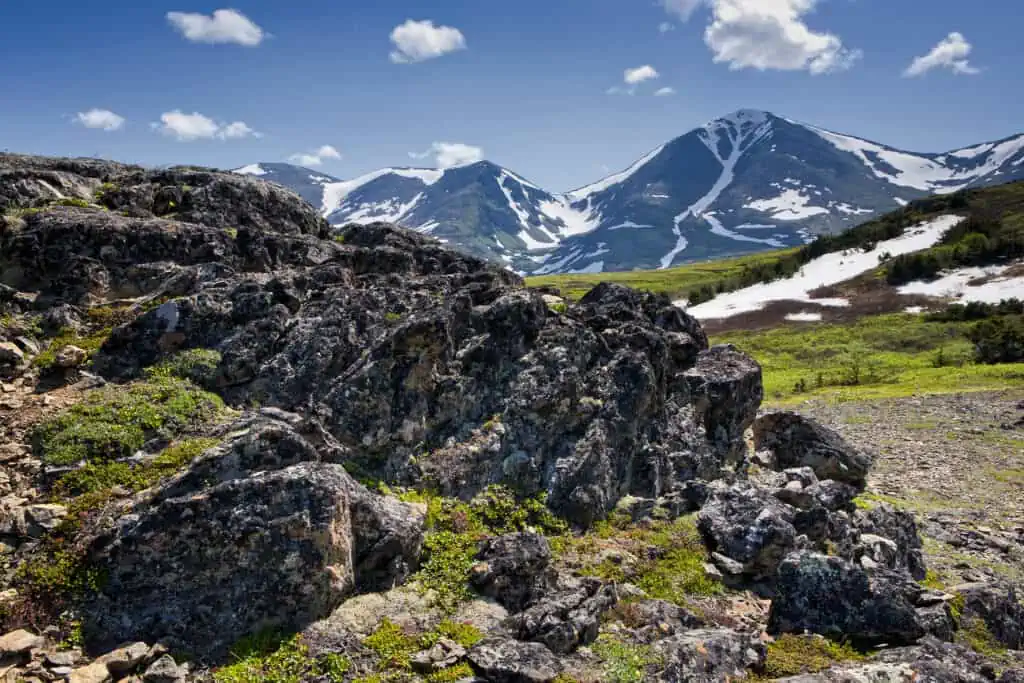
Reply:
x=392 y=316
x=932 y=580
x=72 y=201
x=451 y=674
x=464 y=634
x=340 y=239
x=792 y=655
x=90 y=343
x=558 y=307
x=446 y=571
x=335 y=666
x=623 y=662
x=501 y=512
x=266 y=657
x=114 y=422
x=392 y=645
x=196 y=365
x=679 y=572
x=231 y=232
x=976 y=635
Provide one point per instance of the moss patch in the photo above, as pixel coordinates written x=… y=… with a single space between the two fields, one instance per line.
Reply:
x=623 y=662
x=271 y=658
x=791 y=655
x=195 y=365
x=90 y=343
x=115 y=422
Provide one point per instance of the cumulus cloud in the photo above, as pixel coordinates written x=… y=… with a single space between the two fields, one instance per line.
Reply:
x=418 y=41
x=681 y=8
x=189 y=127
x=951 y=53
x=767 y=34
x=316 y=157
x=223 y=26
x=449 y=154
x=640 y=74
x=664 y=92
x=103 y=119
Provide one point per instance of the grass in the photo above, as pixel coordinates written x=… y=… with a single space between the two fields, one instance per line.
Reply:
x=885 y=356
x=90 y=343
x=394 y=646
x=623 y=662
x=195 y=365
x=675 y=282
x=792 y=655
x=115 y=422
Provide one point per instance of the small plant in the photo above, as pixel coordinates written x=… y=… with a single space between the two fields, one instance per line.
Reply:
x=624 y=662
x=90 y=343
x=195 y=365
x=392 y=316
x=392 y=645
x=340 y=239
x=73 y=202
x=231 y=232
x=976 y=635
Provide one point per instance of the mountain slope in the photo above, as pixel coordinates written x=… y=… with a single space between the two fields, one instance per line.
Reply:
x=745 y=182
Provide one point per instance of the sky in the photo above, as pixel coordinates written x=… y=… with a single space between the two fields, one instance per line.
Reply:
x=560 y=91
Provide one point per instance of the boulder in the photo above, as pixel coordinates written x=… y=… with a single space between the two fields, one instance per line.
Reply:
x=899 y=527
x=224 y=550
x=726 y=389
x=836 y=598
x=709 y=655
x=748 y=526
x=19 y=642
x=567 y=619
x=998 y=607
x=514 y=570
x=70 y=356
x=498 y=660
x=164 y=670
x=797 y=441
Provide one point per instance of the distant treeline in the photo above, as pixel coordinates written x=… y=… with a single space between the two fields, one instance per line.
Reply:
x=998 y=337
x=981 y=239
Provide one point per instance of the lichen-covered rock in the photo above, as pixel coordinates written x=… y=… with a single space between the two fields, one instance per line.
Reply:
x=514 y=570
x=998 y=607
x=835 y=598
x=726 y=388
x=709 y=655
x=566 y=619
x=900 y=528
x=797 y=441
x=247 y=540
x=497 y=660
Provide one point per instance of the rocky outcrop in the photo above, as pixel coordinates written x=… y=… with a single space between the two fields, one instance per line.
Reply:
x=514 y=570
x=253 y=536
x=797 y=441
x=709 y=655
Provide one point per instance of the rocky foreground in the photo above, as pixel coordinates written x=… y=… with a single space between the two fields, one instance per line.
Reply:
x=238 y=447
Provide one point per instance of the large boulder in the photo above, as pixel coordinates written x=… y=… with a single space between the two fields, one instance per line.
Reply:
x=567 y=619
x=836 y=598
x=709 y=655
x=514 y=570
x=798 y=441
x=497 y=660
x=251 y=537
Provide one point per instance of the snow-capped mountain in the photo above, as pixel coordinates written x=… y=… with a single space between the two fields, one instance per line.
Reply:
x=748 y=181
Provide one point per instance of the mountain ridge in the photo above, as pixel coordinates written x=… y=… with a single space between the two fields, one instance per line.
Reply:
x=744 y=182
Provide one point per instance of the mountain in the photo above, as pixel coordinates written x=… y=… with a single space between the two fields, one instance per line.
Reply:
x=307 y=182
x=748 y=181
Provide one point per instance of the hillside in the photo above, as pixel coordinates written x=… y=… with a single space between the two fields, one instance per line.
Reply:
x=238 y=445
x=748 y=181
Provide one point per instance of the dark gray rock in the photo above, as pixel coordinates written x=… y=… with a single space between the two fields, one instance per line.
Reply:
x=797 y=441
x=726 y=388
x=652 y=620
x=999 y=607
x=835 y=598
x=567 y=619
x=748 y=526
x=164 y=670
x=709 y=655
x=246 y=539
x=498 y=660
x=899 y=527
x=514 y=570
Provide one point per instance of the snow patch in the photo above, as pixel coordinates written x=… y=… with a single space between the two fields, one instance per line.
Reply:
x=804 y=317
x=628 y=224
x=791 y=205
x=592 y=269
x=251 y=169
x=574 y=222
x=957 y=285
x=823 y=271
x=335 y=193
x=718 y=229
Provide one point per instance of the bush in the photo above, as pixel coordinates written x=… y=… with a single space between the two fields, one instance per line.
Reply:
x=195 y=365
x=999 y=340
x=792 y=655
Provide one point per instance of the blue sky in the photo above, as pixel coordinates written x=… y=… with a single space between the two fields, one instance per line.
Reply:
x=525 y=82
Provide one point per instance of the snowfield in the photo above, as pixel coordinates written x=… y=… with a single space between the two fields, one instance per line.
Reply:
x=957 y=285
x=823 y=271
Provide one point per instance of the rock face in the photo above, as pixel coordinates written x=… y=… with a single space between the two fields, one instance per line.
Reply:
x=797 y=441
x=243 y=540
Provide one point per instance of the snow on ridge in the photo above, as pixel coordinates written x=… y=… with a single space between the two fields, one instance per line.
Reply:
x=615 y=178
x=718 y=229
x=335 y=193
x=791 y=205
x=574 y=222
x=391 y=211
x=804 y=317
x=251 y=169
x=628 y=224
x=828 y=269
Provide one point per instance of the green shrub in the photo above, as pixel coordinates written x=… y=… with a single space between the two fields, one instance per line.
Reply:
x=195 y=365
x=999 y=340
x=792 y=655
x=392 y=645
x=623 y=662
x=90 y=343
x=72 y=201
x=272 y=658
x=116 y=421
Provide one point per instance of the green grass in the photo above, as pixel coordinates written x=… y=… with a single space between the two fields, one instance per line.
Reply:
x=271 y=658
x=885 y=356
x=675 y=282
x=623 y=662
x=115 y=422
x=90 y=343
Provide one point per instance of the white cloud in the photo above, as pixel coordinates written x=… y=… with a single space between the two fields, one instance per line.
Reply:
x=449 y=154
x=103 y=119
x=640 y=74
x=666 y=26
x=681 y=8
x=315 y=158
x=418 y=41
x=664 y=92
x=189 y=127
x=951 y=53
x=772 y=34
x=224 y=26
